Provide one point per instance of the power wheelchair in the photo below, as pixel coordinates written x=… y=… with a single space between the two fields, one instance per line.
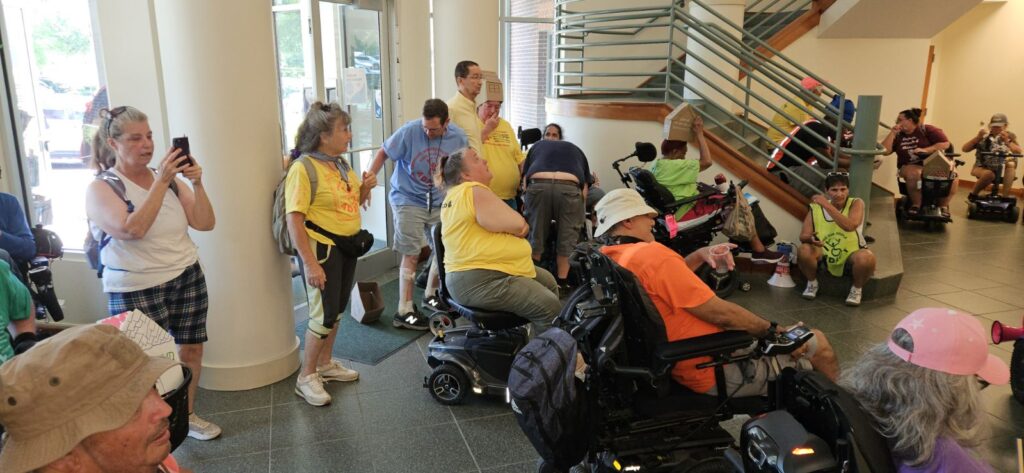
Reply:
x=685 y=237
x=636 y=418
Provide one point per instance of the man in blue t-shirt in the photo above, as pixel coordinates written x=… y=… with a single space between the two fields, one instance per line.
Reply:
x=416 y=149
x=15 y=235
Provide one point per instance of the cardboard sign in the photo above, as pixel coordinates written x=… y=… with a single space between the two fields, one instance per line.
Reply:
x=154 y=340
x=492 y=89
x=679 y=123
x=937 y=166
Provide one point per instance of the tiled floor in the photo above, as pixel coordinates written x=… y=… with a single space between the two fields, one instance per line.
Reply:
x=386 y=422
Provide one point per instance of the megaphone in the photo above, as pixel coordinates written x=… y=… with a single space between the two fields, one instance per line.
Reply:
x=1004 y=333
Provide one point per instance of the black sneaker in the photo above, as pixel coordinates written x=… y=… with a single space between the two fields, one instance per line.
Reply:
x=434 y=304
x=413 y=320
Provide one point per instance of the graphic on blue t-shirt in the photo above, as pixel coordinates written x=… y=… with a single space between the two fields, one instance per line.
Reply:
x=416 y=158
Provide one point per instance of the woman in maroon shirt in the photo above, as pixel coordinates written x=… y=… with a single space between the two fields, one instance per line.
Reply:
x=913 y=141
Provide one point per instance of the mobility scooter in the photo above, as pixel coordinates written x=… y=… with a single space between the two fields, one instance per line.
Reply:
x=475 y=357
x=994 y=205
x=933 y=189
x=685 y=237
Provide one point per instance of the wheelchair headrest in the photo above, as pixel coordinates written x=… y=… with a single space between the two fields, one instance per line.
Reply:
x=656 y=195
x=615 y=292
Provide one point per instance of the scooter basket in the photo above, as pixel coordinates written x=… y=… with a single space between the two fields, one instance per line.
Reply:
x=178 y=400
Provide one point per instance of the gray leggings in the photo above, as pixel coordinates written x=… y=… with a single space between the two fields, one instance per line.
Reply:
x=533 y=299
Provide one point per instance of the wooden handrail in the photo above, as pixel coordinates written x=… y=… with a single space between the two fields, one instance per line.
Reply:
x=764 y=182
x=642 y=111
x=793 y=31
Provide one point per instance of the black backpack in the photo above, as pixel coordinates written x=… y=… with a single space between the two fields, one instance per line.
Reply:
x=546 y=400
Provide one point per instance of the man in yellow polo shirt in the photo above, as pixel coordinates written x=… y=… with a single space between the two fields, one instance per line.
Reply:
x=462 y=106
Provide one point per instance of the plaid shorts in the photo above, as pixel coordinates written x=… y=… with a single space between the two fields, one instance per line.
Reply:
x=178 y=305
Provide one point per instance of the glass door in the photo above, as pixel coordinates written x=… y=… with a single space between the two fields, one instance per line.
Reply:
x=342 y=57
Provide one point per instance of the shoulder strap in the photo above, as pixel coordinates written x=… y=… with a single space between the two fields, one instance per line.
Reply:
x=117 y=185
x=311 y=175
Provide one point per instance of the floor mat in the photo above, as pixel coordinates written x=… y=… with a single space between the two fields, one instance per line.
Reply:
x=370 y=343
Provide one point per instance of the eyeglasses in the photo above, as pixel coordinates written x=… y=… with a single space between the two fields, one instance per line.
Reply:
x=837 y=173
x=111 y=114
x=474 y=77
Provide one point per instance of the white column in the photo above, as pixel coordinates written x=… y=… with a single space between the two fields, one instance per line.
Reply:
x=463 y=30
x=733 y=10
x=220 y=83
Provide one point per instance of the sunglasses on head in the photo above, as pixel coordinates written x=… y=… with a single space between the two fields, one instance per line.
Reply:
x=110 y=114
x=838 y=173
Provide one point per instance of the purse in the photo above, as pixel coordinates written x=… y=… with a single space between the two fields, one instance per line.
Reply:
x=352 y=246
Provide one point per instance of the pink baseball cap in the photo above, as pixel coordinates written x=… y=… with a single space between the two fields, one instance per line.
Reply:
x=949 y=341
x=809 y=83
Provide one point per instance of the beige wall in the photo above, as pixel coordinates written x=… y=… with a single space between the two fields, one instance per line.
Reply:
x=978 y=71
x=463 y=30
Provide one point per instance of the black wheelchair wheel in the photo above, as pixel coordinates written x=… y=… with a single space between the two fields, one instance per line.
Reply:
x=1017 y=371
x=972 y=211
x=1012 y=215
x=448 y=384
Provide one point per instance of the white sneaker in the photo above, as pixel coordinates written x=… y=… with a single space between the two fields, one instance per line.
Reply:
x=335 y=371
x=311 y=388
x=201 y=429
x=853 y=299
x=812 y=290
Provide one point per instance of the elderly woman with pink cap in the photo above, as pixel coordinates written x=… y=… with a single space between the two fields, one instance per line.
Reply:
x=922 y=389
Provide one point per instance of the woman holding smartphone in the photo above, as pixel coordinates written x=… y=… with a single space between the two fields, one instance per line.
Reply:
x=315 y=223
x=151 y=264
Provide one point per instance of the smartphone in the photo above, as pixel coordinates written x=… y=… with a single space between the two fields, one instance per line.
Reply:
x=181 y=143
x=798 y=334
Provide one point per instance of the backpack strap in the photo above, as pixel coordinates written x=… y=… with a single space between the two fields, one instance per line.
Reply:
x=117 y=185
x=311 y=175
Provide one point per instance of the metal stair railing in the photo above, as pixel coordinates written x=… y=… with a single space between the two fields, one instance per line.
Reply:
x=728 y=44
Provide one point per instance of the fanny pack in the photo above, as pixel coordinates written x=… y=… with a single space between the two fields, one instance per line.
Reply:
x=352 y=246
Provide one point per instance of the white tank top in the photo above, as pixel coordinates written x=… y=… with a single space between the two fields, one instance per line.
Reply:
x=160 y=256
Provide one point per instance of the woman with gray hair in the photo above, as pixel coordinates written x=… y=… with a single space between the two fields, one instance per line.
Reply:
x=317 y=223
x=487 y=259
x=922 y=390
x=151 y=264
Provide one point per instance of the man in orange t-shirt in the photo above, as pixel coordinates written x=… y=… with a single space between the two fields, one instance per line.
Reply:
x=688 y=307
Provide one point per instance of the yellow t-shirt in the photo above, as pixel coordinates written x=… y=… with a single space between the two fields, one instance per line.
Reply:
x=501 y=150
x=335 y=207
x=462 y=111
x=468 y=246
x=784 y=123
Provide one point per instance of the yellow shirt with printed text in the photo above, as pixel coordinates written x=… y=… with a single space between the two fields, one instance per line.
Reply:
x=503 y=155
x=470 y=246
x=335 y=207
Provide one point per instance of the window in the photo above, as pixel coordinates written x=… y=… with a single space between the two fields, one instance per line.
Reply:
x=54 y=78
x=526 y=38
